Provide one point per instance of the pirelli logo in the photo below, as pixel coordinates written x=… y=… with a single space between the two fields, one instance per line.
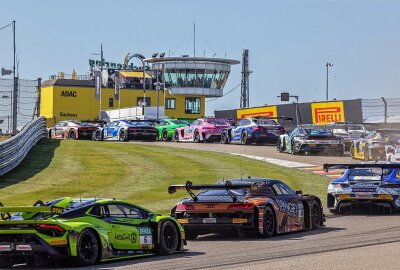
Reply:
x=266 y=111
x=327 y=112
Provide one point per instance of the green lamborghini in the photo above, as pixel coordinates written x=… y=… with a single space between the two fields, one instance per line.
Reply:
x=84 y=231
x=166 y=128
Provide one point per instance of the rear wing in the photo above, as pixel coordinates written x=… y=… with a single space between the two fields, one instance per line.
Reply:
x=273 y=117
x=327 y=127
x=5 y=211
x=226 y=186
x=382 y=166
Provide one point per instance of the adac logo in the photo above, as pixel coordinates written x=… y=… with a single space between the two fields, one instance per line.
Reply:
x=68 y=93
x=327 y=112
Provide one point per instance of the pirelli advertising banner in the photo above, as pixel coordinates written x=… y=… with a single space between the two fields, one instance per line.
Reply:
x=327 y=112
x=269 y=111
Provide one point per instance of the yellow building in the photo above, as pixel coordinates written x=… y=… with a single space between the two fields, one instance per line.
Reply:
x=189 y=80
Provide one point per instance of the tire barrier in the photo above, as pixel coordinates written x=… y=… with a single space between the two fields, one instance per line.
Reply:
x=15 y=149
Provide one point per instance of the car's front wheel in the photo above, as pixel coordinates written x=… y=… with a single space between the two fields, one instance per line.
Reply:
x=225 y=137
x=122 y=135
x=196 y=137
x=87 y=248
x=164 y=135
x=316 y=215
x=169 y=239
x=97 y=135
x=71 y=134
x=176 y=135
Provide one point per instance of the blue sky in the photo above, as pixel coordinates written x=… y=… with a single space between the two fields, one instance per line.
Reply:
x=289 y=41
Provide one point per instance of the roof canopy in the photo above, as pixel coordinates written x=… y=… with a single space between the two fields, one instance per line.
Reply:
x=134 y=74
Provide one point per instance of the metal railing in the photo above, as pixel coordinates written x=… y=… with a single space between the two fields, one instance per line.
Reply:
x=14 y=149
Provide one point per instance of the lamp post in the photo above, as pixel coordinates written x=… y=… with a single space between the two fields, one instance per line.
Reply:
x=328 y=64
x=141 y=58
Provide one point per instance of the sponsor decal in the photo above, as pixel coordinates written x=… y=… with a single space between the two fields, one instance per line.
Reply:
x=23 y=248
x=267 y=111
x=57 y=210
x=287 y=207
x=62 y=114
x=146 y=241
x=145 y=231
x=183 y=221
x=5 y=248
x=363 y=189
x=68 y=94
x=210 y=205
x=327 y=112
x=239 y=220
x=385 y=196
x=58 y=242
x=122 y=236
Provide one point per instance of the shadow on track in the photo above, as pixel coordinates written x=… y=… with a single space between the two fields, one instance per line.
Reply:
x=36 y=161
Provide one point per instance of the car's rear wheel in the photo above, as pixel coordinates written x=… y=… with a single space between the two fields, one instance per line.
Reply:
x=122 y=135
x=244 y=139
x=71 y=134
x=97 y=135
x=164 y=135
x=269 y=222
x=176 y=135
x=316 y=215
x=224 y=137
x=87 y=248
x=196 y=137
x=169 y=239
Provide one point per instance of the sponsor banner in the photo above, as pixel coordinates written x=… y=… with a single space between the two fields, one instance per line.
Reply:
x=97 y=83
x=116 y=83
x=327 y=112
x=268 y=111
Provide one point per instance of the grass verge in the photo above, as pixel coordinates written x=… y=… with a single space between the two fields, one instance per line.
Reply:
x=136 y=173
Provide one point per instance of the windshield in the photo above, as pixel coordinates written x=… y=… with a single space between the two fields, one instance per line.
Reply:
x=179 y=122
x=323 y=132
x=355 y=127
x=368 y=173
x=266 y=122
x=143 y=123
x=217 y=122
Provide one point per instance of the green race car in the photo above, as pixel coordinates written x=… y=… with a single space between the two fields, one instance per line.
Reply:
x=84 y=231
x=166 y=128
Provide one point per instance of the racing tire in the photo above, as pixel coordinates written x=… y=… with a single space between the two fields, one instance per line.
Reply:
x=71 y=134
x=164 y=135
x=176 y=136
x=122 y=136
x=316 y=215
x=97 y=135
x=366 y=154
x=88 y=248
x=191 y=235
x=244 y=140
x=224 y=137
x=269 y=222
x=169 y=239
x=196 y=136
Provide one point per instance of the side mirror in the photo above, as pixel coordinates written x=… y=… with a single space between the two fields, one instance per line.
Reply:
x=150 y=216
x=299 y=192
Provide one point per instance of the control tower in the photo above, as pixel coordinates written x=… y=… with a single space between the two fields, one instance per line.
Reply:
x=193 y=75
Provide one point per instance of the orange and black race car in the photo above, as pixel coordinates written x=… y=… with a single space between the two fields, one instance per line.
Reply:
x=72 y=130
x=263 y=206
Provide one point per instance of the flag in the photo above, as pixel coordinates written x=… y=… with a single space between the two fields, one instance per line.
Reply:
x=97 y=83
x=116 y=85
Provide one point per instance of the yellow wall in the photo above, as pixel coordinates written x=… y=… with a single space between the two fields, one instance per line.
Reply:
x=79 y=103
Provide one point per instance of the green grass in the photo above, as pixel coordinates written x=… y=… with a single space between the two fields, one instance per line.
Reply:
x=135 y=173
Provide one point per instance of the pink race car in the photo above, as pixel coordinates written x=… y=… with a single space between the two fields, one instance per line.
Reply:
x=203 y=129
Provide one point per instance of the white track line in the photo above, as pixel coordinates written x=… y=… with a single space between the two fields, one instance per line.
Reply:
x=280 y=162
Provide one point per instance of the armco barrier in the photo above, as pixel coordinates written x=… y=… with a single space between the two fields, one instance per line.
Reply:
x=14 y=149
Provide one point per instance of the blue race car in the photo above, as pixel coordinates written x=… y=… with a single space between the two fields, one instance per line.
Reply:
x=124 y=130
x=257 y=130
x=372 y=187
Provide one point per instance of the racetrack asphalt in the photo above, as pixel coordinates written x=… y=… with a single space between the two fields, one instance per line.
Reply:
x=345 y=242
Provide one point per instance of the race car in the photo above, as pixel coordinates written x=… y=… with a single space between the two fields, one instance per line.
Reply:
x=166 y=128
x=311 y=138
x=372 y=147
x=253 y=130
x=125 y=130
x=372 y=187
x=72 y=130
x=85 y=232
x=201 y=130
x=263 y=206
x=392 y=153
x=349 y=132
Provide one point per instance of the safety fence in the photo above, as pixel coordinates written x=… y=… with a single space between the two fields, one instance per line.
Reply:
x=14 y=149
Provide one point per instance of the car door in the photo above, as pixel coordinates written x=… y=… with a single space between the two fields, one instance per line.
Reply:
x=291 y=209
x=288 y=139
x=111 y=129
x=237 y=131
x=130 y=227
